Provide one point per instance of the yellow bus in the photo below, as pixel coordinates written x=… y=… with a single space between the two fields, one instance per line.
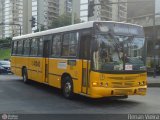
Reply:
x=94 y=59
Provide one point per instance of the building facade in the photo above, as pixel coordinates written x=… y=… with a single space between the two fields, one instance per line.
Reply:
x=148 y=16
x=12 y=17
x=69 y=6
x=44 y=11
x=27 y=15
x=1 y=19
x=84 y=10
x=105 y=10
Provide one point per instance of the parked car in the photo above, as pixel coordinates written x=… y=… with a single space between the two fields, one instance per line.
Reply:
x=5 y=66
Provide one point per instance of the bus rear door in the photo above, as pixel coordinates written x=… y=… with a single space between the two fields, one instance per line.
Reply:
x=46 y=52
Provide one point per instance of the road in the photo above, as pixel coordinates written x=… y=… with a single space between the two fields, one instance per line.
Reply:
x=19 y=98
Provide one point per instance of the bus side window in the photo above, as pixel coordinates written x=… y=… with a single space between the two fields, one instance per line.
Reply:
x=14 y=49
x=34 y=47
x=85 y=39
x=26 y=48
x=73 y=44
x=20 y=47
x=69 y=46
x=47 y=45
x=40 y=47
x=56 y=46
x=65 y=45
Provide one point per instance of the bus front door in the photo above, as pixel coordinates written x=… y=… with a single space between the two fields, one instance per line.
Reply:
x=85 y=76
x=85 y=56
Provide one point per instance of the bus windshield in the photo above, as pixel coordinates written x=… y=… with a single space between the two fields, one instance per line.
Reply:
x=119 y=53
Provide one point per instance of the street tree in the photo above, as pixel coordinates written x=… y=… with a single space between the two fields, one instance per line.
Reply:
x=64 y=20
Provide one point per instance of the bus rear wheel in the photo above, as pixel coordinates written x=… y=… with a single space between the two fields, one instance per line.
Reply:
x=25 y=75
x=67 y=88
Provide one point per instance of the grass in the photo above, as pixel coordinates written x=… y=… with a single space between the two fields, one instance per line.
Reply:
x=5 y=54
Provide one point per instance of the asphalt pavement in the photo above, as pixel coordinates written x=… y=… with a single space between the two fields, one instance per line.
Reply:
x=35 y=98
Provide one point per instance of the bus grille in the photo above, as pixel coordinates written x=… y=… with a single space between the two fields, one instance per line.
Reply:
x=124 y=78
x=123 y=84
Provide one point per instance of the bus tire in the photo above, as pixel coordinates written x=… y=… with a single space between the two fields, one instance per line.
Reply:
x=25 y=75
x=67 y=87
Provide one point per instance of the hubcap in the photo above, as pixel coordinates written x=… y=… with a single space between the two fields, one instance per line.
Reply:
x=67 y=89
x=24 y=77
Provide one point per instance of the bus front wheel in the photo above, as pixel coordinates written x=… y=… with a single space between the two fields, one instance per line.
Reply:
x=67 y=88
x=25 y=75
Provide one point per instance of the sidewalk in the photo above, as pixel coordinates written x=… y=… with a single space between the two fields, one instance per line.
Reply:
x=153 y=82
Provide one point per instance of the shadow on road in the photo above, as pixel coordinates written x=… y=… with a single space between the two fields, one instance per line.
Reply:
x=78 y=99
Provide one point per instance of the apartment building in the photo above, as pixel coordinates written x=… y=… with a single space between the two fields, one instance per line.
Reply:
x=1 y=19
x=105 y=10
x=44 y=11
x=84 y=10
x=148 y=16
x=67 y=6
x=11 y=13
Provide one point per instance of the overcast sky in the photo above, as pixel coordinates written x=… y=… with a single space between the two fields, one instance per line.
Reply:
x=157 y=6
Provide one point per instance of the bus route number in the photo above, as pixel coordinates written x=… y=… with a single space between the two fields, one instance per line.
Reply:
x=36 y=63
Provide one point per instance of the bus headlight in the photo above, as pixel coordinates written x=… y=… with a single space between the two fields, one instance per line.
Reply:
x=95 y=84
x=106 y=84
x=141 y=83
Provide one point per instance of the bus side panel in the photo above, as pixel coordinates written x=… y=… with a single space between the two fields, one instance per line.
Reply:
x=17 y=64
x=57 y=67
x=35 y=69
x=13 y=64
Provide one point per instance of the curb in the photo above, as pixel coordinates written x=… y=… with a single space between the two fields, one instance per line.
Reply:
x=153 y=85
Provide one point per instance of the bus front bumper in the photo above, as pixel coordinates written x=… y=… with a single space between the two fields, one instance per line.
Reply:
x=99 y=92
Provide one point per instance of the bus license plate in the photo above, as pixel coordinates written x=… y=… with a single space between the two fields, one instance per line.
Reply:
x=142 y=89
x=121 y=92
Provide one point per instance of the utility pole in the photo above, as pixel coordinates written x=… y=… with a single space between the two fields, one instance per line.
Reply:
x=154 y=40
x=118 y=11
x=72 y=12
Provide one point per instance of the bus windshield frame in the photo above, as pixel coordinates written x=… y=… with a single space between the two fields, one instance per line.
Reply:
x=118 y=50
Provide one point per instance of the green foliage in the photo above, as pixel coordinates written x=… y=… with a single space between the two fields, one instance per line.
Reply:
x=5 y=40
x=5 y=54
x=64 y=20
x=41 y=29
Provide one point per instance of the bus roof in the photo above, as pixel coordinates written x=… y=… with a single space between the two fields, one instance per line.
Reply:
x=66 y=28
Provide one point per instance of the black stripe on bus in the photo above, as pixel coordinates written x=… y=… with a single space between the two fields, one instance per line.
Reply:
x=61 y=75
x=16 y=67
x=121 y=72
x=27 y=69
x=35 y=70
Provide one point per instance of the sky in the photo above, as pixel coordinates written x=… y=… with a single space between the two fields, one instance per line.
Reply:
x=157 y=6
